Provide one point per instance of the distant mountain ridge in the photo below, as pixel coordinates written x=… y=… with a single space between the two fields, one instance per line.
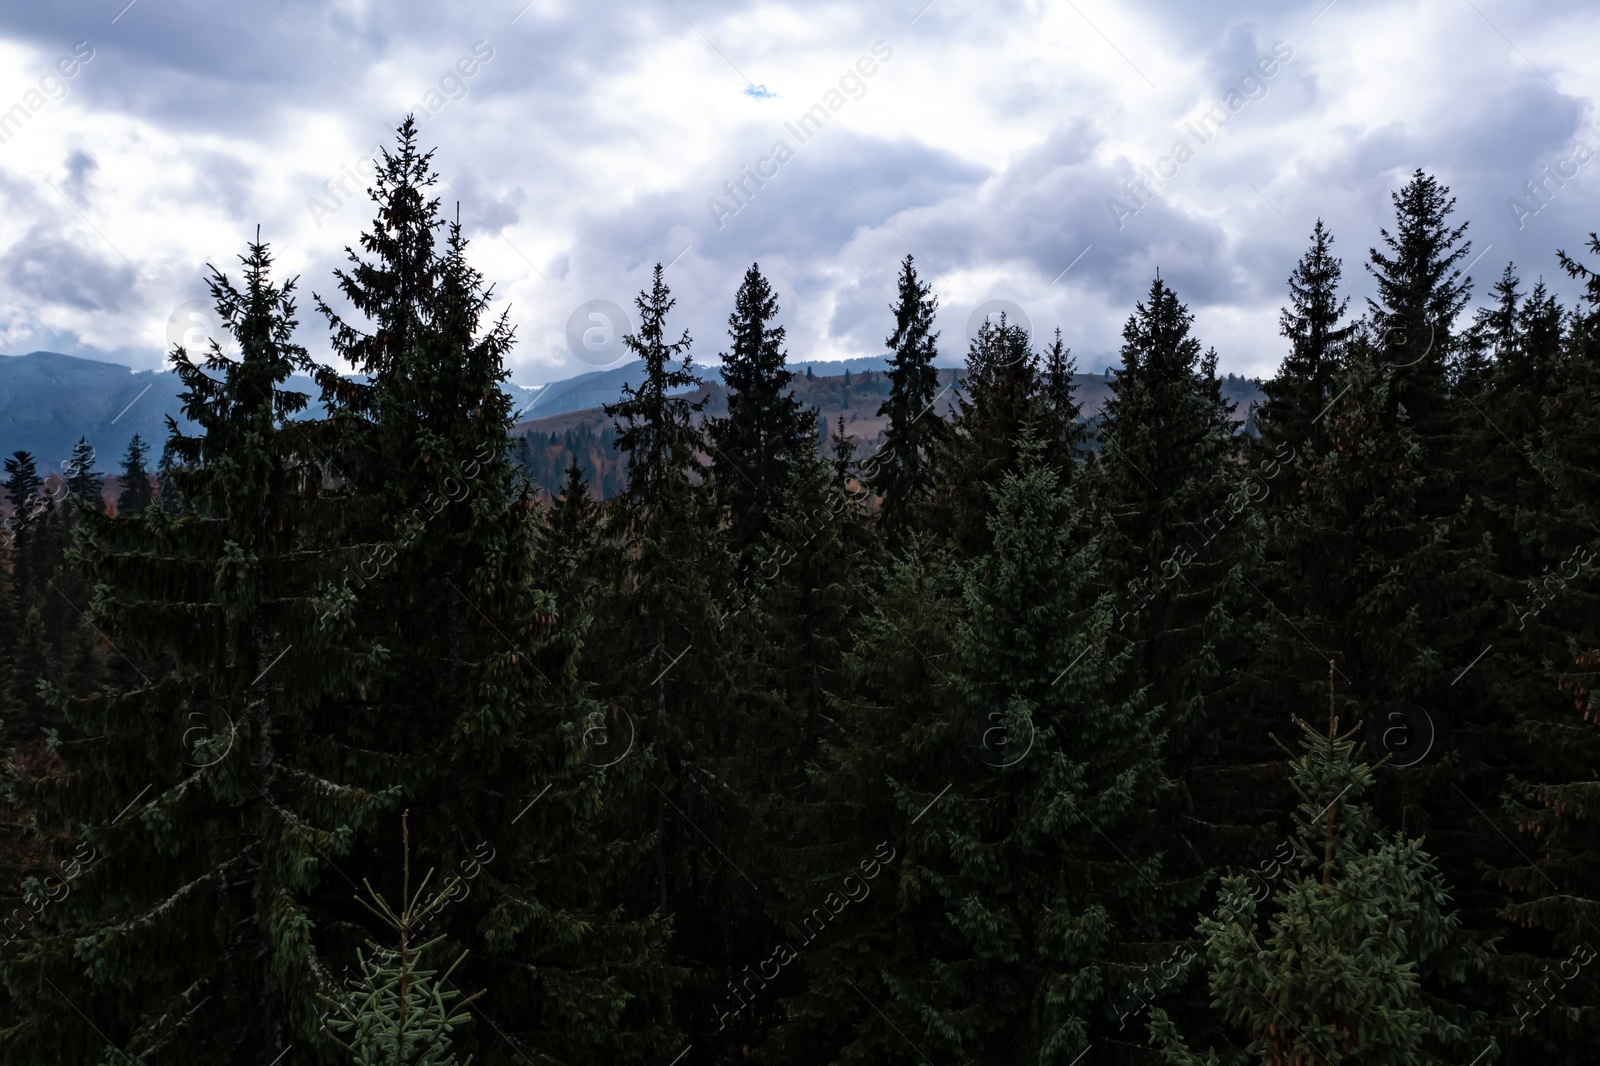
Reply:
x=49 y=400
x=548 y=438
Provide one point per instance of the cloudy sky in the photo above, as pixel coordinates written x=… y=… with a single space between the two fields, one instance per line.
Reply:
x=584 y=142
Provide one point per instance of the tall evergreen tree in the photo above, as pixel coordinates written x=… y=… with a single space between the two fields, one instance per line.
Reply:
x=25 y=493
x=1329 y=970
x=83 y=482
x=51 y=640
x=1005 y=805
x=655 y=428
x=1165 y=426
x=186 y=931
x=1181 y=515
x=903 y=470
x=1001 y=398
x=766 y=429
x=1550 y=803
x=1312 y=323
x=785 y=651
x=1421 y=293
x=1067 y=434
x=457 y=668
x=665 y=611
x=24 y=490
x=135 y=493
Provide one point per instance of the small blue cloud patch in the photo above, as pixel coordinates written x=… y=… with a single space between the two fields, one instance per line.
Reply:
x=759 y=92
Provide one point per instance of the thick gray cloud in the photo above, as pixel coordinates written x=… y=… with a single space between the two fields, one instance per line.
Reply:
x=999 y=143
x=43 y=267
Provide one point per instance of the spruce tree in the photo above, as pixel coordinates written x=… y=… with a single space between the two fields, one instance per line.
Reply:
x=903 y=470
x=1379 y=556
x=457 y=668
x=1421 y=293
x=784 y=649
x=1318 y=958
x=655 y=428
x=1293 y=428
x=83 y=483
x=1006 y=807
x=1000 y=398
x=135 y=493
x=1066 y=432
x=1312 y=323
x=24 y=491
x=1549 y=805
x=1182 y=515
x=766 y=429
x=665 y=612
x=204 y=803
x=29 y=538
x=402 y=1013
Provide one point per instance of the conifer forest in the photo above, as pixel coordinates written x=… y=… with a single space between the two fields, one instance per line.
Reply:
x=1173 y=734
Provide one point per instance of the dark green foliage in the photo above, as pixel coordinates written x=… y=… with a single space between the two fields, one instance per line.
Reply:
x=45 y=632
x=1064 y=428
x=458 y=671
x=1551 y=803
x=1000 y=399
x=1010 y=803
x=402 y=1012
x=83 y=483
x=1322 y=961
x=738 y=738
x=206 y=802
x=766 y=430
x=135 y=494
x=1182 y=516
x=903 y=471
x=1298 y=395
x=1421 y=291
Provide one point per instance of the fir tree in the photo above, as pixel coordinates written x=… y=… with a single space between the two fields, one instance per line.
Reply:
x=1300 y=391
x=656 y=429
x=186 y=934
x=1421 y=292
x=25 y=492
x=1067 y=433
x=83 y=483
x=135 y=494
x=1379 y=554
x=903 y=469
x=784 y=655
x=1000 y=398
x=666 y=611
x=457 y=667
x=1330 y=969
x=47 y=637
x=1182 y=519
x=766 y=429
x=1293 y=426
x=983 y=783
x=402 y=1013
x=1550 y=804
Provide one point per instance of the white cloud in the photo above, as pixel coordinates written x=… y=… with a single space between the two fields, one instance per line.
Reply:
x=586 y=149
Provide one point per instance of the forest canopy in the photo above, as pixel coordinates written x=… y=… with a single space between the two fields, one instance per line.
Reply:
x=346 y=732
